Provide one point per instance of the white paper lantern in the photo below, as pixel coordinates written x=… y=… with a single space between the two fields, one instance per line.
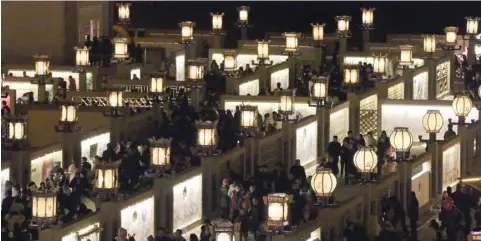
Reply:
x=124 y=12
x=17 y=128
x=277 y=210
x=401 y=139
x=287 y=102
x=318 y=31
x=367 y=16
x=292 y=42
x=230 y=64
x=365 y=159
x=433 y=121
x=323 y=182
x=248 y=116
x=44 y=206
x=429 y=43
x=462 y=105
x=243 y=14
x=472 y=25
x=196 y=71
x=217 y=21
x=451 y=35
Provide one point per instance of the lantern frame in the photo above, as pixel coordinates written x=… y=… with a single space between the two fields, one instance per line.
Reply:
x=102 y=169
x=472 y=25
x=217 y=22
x=379 y=64
x=230 y=69
x=187 y=32
x=291 y=43
x=360 y=161
x=121 y=51
x=243 y=13
x=350 y=75
x=281 y=200
x=367 y=18
x=49 y=211
x=406 y=55
x=287 y=105
x=195 y=70
x=318 y=34
x=450 y=39
x=42 y=68
x=404 y=136
x=156 y=149
x=263 y=53
x=429 y=45
x=123 y=11
x=115 y=102
x=319 y=92
x=156 y=91
x=462 y=105
x=16 y=140
x=344 y=31
x=433 y=121
x=210 y=132
x=248 y=127
x=82 y=58
x=320 y=175
x=67 y=123
x=224 y=228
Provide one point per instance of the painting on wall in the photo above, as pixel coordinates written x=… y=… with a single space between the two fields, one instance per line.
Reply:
x=339 y=123
x=280 y=76
x=90 y=232
x=442 y=79
x=420 y=86
x=187 y=202
x=396 y=92
x=451 y=166
x=94 y=146
x=4 y=177
x=138 y=219
x=306 y=143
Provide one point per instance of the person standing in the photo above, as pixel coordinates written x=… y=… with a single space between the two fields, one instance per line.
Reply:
x=224 y=199
x=413 y=214
x=334 y=151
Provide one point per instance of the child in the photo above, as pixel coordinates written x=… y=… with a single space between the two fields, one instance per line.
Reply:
x=437 y=228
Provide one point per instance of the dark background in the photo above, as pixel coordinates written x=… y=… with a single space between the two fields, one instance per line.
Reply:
x=271 y=16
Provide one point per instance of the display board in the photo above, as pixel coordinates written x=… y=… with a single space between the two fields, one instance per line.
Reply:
x=22 y=87
x=41 y=167
x=180 y=67
x=135 y=71
x=420 y=86
x=306 y=143
x=421 y=182
x=187 y=202
x=280 y=76
x=443 y=77
x=94 y=146
x=339 y=123
x=249 y=88
x=4 y=177
x=138 y=219
x=394 y=115
x=451 y=166
x=90 y=232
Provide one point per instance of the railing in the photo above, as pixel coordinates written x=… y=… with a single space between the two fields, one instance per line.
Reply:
x=139 y=102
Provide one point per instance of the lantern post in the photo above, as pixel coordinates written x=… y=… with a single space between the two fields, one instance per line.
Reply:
x=69 y=129
x=472 y=24
x=157 y=93
x=196 y=69
x=43 y=75
x=187 y=39
x=291 y=50
x=106 y=179
x=230 y=63
x=462 y=105
x=123 y=10
x=224 y=232
x=160 y=155
x=243 y=21
x=287 y=106
x=343 y=32
x=350 y=78
x=365 y=160
x=15 y=136
x=401 y=140
x=432 y=124
x=44 y=208
x=318 y=42
x=249 y=121
x=262 y=54
x=406 y=56
x=217 y=23
x=429 y=46
x=121 y=51
x=323 y=182
x=379 y=66
x=206 y=137
x=367 y=25
x=278 y=211
x=319 y=95
x=82 y=62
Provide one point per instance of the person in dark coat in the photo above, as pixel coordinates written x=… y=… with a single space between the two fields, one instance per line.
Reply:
x=298 y=171
x=334 y=151
x=413 y=214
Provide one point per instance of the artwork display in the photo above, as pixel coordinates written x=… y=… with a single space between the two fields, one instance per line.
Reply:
x=42 y=166
x=339 y=123
x=90 y=232
x=451 y=166
x=421 y=182
x=396 y=92
x=249 y=88
x=4 y=177
x=138 y=219
x=306 y=143
x=410 y=116
x=94 y=146
x=443 y=77
x=180 y=67
x=420 y=86
x=280 y=76
x=187 y=202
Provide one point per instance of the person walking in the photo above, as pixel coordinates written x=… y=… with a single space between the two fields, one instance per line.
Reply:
x=413 y=214
x=334 y=151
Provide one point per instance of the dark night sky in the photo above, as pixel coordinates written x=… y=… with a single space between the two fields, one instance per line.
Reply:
x=389 y=17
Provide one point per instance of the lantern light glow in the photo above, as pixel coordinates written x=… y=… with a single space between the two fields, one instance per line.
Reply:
x=262 y=49
x=156 y=85
x=472 y=24
x=17 y=128
x=217 y=20
x=42 y=65
x=451 y=35
x=367 y=16
x=343 y=25
x=115 y=98
x=124 y=12
x=277 y=210
x=243 y=14
x=106 y=176
x=160 y=152
x=401 y=139
x=379 y=64
x=292 y=42
x=323 y=182
x=44 y=206
x=206 y=134
x=433 y=121
x=248 y=117
x=429 y=43
x=69 y=113
x=318 y=31
x=187 y=31
x=406 y=55
x=351 y=75
x=82 y=56
x=462 y=105
x=365 y=159
x=286 y=102
x=120 y=48
x=196 y=71
x=319 y=88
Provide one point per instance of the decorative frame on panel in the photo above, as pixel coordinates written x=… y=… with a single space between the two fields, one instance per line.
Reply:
x=368 y=115
x=442 y=79
x=396 y=92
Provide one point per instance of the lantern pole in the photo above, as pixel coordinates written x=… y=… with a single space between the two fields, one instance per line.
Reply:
x=367 y=25
x=157 y=82
x=461 y=116
x=472 y=25
x=344 y=33
x=318 y=43
x=351 y=79
x=243 y=24
x=68 y=129
x=187 y=41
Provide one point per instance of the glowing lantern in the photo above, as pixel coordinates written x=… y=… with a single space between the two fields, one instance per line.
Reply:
x=379 y=64
x=472 y=25
x=451 y=35
x=157 y=85
x=292 y=43
x=429 y=44
x=217 y=21
x=230 y=64
x=160 y=152
x=277 y=210
x=196 y=71
x=462 y=105
x=367 y=16
x=224 y=232
x=323 y=182
x=433 y=121
x=44 y=207
x=243 y=14
x=319 y=88
x=343 y=25
x=187 y=31
x=318 y=31
x=124 y=12
x=115 y=98
x=248 y=117
x=206 y=134
x=16 y=128
x=81 y=56
x=406 y=55
x=287 y=102
x=479 y=91
x=262 y=49
x=365 y=159
x=351 y=75
x=69 y=113
x=401 y=139
x=120 y=48
x=42 y=65
x=106 y=178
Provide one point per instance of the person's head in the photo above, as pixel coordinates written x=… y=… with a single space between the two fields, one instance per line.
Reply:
x=335 y=138
x=298 y=162
x=345 y=141
x=369 y=134
x=193 y=237
x=178 y=233
x=161 y=232
x=449 y=190
x=278 y=85
x=122 y=232
x=361 y=136
x=383 y=134
x=412 y=194
x=150 y=238
x=84 y=159
x=252 y=188
x=4 y=103
x=349 y=133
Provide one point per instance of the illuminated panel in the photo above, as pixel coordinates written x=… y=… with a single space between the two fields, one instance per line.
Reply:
x=451 y=166
x=280 y=76
x=42 y=166
x=138 y=219
x=251 y=87
x=306 y=143
x=420 y=86
x=187 y=203
x=396 y=92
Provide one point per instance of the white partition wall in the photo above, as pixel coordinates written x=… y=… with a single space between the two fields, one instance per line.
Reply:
x=4 y=177
x=396 y=92
x=138 y=219
x=84 y=234
x=420 y=86
x=187 y=205
x=280 y=76
x=421 y=182
x=180 y=67
x=94 y=146
x=339 y=123
x=306 y=143
x=249 y=88
x=41 y=167
x=451 y=166
x=268 y=107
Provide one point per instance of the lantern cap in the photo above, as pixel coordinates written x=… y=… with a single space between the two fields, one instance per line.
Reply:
x=162 y=142
x=115 y=89
x=318 y=24
x=406 y=47
x=124 y=4
x=41 y=57
x=81 y=48
x=206 y=124
x=343 y=17
x=224 y=227
x=240 y=8
x=119 y=40
x=263 y=41
x=451 y=29
x=291 y=34
x=67 y=103
x=16 y=118
x=216 y=14
x=105 y=165
x=248 y=107
x=368 y=9
x=187 y=23
x=288 y=92
x=44 y=193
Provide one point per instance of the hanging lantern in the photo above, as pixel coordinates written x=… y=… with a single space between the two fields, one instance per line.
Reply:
x=472 y=25
x=343 y=26
x=160 y=152
x=115 y=98
x=106 y=179
x=69 y=112
x=157 y=85
x=323 y=182
x=120 y=48
x=433 y=121
x=319 y=88
x=230 y=64
x=451 y=35
x=196 y=71
x=224 y=232
x=462 y=105
x=287 y=103
x=17 y=128
x=187 y=31
x=278 y=212
x=81 y=56
x=44 y=208
x=248 y=117
x=318 y=31
x=262 y=50
x=206 y=134
x=429 y=44
x=367 y=17
x=351 y=75
x=217 y=21
x=406 y=55
x=42 y=65
x=401 y=139
x=243 y=14
x=379 y=64
x=292 y=44
x=365 y=159
x=124 y=12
